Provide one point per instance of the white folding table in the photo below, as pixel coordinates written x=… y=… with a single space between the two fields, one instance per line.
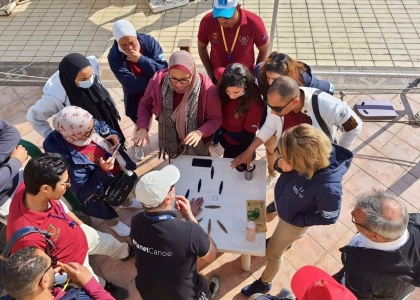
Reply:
x=232 y=201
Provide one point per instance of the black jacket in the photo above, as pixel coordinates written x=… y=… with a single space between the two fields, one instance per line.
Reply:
x=378 y=274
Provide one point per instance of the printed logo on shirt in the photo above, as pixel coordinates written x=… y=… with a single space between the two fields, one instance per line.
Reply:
x=244 y=39
x=150 y=250
x=298 y=191
x=203 y=296
x=55 y=232
x=330 y=214
x=265 y=37
x=214 y=35
x=162 y=57
x=91 y=157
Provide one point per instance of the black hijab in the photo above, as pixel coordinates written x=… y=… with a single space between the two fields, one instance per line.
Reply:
x=96 y=99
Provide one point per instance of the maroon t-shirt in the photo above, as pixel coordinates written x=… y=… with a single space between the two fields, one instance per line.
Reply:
x=252 y=32
x=294 y=119
x=70 y=242
x=249 y=122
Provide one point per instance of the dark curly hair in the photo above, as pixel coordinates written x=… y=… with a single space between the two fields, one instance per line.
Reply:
x=282 y=64
x=238 y=75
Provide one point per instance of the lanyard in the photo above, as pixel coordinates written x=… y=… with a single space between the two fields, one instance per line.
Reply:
x=62 y=217
x=158 y=218
x=234 y=42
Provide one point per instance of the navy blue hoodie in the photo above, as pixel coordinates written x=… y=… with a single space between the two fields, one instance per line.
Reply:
x=316 y=201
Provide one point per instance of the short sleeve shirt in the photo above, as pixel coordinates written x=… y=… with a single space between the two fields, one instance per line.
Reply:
x=166 y=254
x=69 y=239
x=252 y=32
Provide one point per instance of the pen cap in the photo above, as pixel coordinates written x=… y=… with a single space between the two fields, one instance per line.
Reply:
x=251 y=225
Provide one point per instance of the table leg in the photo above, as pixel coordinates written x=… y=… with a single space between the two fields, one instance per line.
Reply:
x=246 y=262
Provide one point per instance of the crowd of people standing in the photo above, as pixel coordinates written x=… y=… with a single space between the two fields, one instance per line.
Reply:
x=240 y=102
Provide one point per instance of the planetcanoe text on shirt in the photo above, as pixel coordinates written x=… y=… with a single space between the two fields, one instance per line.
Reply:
x=151 y=250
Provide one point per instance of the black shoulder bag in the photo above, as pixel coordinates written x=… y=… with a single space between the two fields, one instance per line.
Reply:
x=315 y=107
x=120 y=187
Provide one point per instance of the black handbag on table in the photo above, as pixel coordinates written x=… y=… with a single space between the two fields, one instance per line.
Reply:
x=120 y=187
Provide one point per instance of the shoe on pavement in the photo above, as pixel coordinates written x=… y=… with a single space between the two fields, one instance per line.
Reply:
x=285 y=294
x=272 y=179
x=214 y=285
x=271 y=208
x=134 y=204
x=256 y=287
x=121 y=229
x=117 y=292
x=130 y=253
x=138 y=152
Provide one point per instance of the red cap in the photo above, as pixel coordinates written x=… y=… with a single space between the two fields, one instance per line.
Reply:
x=312 y=283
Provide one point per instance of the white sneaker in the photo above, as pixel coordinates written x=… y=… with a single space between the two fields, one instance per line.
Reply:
x=138 y=152
x=135 y=204
x=272 y=179
x=121 y=229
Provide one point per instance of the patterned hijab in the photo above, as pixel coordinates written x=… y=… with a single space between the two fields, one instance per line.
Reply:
x=73 y=122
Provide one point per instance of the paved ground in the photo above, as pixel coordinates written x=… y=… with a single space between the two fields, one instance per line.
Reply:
x=386 y=156
x=369 y=35
x=319 y=32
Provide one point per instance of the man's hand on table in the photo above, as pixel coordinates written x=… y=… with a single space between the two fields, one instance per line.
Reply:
x=196 y=206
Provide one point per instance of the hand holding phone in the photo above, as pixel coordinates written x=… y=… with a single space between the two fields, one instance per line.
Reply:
x=116 y=151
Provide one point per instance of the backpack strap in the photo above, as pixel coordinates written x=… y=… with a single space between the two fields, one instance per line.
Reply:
x=24 y=232
x=315 y=107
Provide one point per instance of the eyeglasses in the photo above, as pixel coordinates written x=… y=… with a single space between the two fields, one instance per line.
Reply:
x=278 y=109
x=182 y=80
x=67 y=183
x=353 y=220
x=54 y=262
x=231 y=73
x=89 y=133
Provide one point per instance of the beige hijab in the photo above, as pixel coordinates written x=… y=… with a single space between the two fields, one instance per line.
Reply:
x=184 y=59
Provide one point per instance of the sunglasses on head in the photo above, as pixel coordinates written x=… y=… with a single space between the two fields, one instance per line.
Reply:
x=231 y=73
x=278 y=56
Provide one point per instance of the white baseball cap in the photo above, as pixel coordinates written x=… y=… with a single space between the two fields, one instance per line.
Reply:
x=154 y=186
x=224 y=8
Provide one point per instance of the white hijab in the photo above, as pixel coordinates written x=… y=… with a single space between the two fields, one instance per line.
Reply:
x=124 y=28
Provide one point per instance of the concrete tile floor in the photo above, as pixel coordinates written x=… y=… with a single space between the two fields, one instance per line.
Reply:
x=319 y=32
x=386 y=156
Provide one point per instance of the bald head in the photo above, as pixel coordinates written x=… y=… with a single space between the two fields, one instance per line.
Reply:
x=285 y=86
x=384 y=214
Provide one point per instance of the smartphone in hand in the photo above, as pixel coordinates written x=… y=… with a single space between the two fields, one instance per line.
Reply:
x=116 y=150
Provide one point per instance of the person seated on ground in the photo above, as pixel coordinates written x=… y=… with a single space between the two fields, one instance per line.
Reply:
x=232 y=33
x=382 y=261
x=46 y=179
x=29 y=274
x=242 y=109
x=134 y=58
x=75 y=83
x=12 y=157
x=278 y=64
x=311 y=283
x=186 y=106
x=91 y=165
x=165 y=248
x=308 y=193
x=289 y=105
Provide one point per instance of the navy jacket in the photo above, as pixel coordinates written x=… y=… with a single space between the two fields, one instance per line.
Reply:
x=152 y=60
x=377 y=274
x=316 y=201
x=86 y=177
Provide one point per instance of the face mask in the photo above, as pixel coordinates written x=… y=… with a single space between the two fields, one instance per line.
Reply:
x=88 y=83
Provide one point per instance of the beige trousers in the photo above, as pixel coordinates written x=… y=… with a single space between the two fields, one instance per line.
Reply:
x=284 y=235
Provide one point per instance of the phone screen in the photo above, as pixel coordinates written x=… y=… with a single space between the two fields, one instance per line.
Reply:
x=116 y=151
x=199 y=162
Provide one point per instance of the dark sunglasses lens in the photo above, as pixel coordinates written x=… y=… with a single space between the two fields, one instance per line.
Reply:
x=54 y=261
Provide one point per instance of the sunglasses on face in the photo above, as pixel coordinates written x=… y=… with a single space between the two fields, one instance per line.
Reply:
x=54 y=262
x=278 y=109
x=182 y=80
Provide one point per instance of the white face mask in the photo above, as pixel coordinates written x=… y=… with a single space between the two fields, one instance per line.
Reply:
x=88 y=83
